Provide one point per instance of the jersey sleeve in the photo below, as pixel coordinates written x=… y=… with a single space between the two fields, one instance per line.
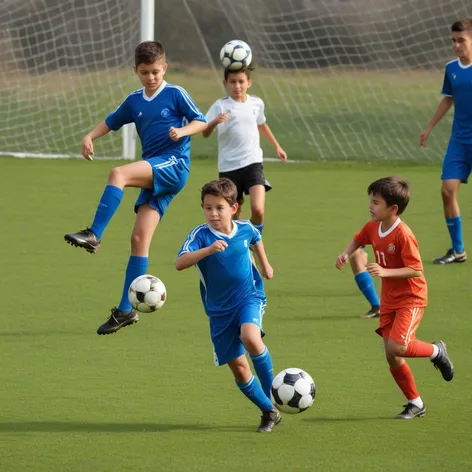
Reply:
x=446 y=88
x=194 y=242
x=363 y=237
x=121 y=116
x=213 y=112
x=187 y=107
x=261 y=119
x=410 y=252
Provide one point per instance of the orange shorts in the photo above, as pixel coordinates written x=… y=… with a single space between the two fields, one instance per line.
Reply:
x=400 y=325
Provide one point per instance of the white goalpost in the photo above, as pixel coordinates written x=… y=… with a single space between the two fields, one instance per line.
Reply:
x=147 y=33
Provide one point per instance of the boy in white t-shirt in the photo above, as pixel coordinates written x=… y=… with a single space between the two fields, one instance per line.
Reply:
x=240 y=120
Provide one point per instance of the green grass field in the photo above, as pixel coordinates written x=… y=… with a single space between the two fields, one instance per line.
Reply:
x=149 y=398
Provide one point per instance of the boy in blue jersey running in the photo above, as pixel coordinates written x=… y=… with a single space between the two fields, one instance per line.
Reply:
x=457 y=165
x=165 y=118
x=232 y=292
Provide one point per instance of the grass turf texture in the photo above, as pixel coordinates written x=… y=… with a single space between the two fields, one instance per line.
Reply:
x=149 y=398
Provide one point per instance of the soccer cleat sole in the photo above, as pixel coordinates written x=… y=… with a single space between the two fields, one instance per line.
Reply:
x=128 y=323
x=421 y=415
x=88 y=248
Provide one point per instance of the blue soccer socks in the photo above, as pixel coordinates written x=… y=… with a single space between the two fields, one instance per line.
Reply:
x=253 y=390
x=366 y=285
x=136 y=266
x=454 y=225
x=109 y=203
x=264 y=370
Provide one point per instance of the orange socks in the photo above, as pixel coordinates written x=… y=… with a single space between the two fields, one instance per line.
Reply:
x=419 y=349
x=404 y=379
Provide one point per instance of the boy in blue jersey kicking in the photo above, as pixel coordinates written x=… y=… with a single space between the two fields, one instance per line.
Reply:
x=165 y=118
x=232 y=292
x=457 y=165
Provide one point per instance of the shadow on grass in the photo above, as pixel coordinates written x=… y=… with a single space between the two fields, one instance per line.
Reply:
x=77 y=427
x=347 y=420
x=325 y=317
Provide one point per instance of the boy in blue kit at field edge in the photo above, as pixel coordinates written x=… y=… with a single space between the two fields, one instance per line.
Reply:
x=232 y=292
x=457 y=164
x=165 y=118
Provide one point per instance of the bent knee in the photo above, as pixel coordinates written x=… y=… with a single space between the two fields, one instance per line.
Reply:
x=115 y=177
x=395 y=351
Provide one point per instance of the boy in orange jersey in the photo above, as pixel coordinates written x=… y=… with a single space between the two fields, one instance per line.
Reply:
x=404 y=291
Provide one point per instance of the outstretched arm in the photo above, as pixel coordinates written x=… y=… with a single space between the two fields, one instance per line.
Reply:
x=194 y=127
x=221 y=118
x=443 y=107
x=344 y=256
x=87 y=145
x=265 y=131
x=189 y=259
x=401 y=273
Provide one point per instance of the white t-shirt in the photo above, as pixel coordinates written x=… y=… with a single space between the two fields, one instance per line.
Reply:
x=238 y=138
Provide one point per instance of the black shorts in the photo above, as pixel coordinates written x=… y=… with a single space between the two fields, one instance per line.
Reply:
x=247 y=177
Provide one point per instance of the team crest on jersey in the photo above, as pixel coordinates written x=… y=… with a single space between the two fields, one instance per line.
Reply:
x=391 y=248
x=165 y=113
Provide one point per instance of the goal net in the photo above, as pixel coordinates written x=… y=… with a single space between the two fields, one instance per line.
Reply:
x=341 y=79
x=349 y=79
x=63 y=64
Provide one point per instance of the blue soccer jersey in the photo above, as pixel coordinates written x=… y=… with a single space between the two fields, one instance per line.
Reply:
x=458 y=84
x=170 y=106
x=227 y=278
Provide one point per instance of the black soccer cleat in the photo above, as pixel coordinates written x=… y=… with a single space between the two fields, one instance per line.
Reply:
x=374 y=312
x=117 y=320
x=442 y=361
x=86 y=239
x=451 y=257
x=269 y=419
x=411 y=411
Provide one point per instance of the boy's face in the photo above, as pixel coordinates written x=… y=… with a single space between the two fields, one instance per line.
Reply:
x=151 y=75
x=462 y=43
x=218 y=212
x=379 y=211
x=237 y=85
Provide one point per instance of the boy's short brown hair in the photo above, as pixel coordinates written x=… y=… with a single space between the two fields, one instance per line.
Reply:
x=393 y=190
x=462 y=25
x=148 y=52
x=223 y=188
x=247 y=70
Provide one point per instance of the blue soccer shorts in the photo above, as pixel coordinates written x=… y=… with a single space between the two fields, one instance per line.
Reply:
x=170 y=174
x=457 y=162
x=225 y=330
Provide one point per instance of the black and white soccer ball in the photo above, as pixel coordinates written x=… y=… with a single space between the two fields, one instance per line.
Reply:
x=235 y=55
x=293 y=391
x=147 y=293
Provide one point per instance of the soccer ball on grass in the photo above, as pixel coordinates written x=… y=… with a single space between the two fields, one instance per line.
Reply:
x=293 y=391
x=147 y=293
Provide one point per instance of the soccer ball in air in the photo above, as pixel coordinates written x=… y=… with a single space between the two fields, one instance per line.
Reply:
x=293 y=391
x=235 y=54
x=147 y=293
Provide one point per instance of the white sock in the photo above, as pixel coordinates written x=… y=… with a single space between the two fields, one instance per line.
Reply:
x=417 y=402
x=435 y=352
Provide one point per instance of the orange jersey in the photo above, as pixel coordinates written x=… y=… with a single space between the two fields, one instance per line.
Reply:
x=394 y=249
